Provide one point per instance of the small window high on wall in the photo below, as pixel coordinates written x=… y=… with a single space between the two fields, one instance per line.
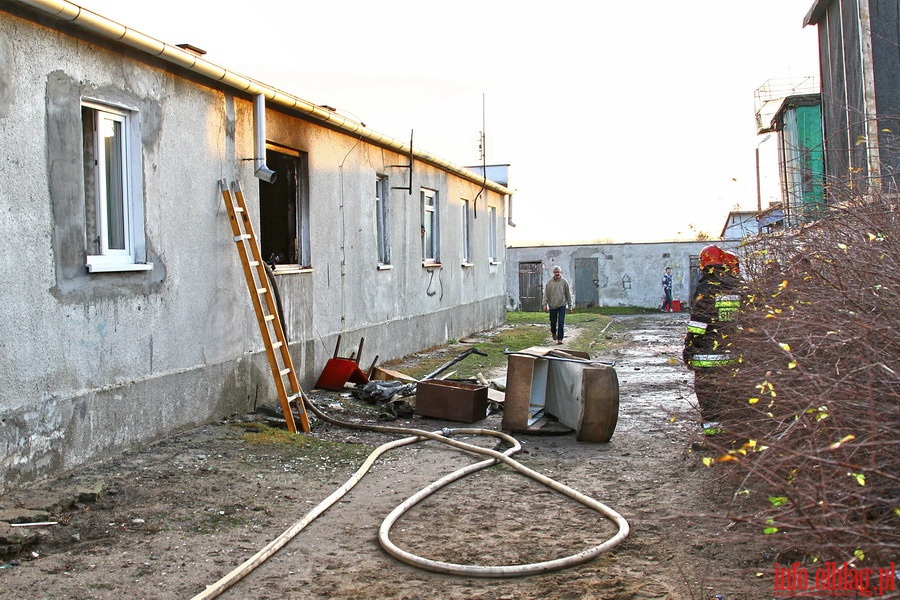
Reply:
x=430 y=226
x=492 y=238
x=382 y=223
x=466 y=239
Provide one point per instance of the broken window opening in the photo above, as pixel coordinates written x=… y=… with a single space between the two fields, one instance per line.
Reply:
x=284 y=210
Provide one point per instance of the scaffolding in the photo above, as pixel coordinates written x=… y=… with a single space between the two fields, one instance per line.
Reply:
x=768 y=98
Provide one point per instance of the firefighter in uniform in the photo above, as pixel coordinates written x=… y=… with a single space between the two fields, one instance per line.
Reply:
x=708 y=343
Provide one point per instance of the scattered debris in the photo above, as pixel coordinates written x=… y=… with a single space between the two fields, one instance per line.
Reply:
x=383 y=391
x=554 y=391
x=452 y=400
x=382 y=374
x=398 y=408
x=449 y=364
x=339 y=371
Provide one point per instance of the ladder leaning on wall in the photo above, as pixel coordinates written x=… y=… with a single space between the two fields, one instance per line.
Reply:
x=264 y=304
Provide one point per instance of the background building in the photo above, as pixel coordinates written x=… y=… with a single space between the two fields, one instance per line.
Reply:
x=605 y=274
x=858 y=42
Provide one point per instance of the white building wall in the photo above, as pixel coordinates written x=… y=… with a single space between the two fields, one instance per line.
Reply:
x=740 y=225
x=93 y=364
x=628 y=274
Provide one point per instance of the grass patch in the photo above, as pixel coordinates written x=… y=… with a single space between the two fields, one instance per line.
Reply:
x=523 y=330
x=261 y=434
x=214 y=522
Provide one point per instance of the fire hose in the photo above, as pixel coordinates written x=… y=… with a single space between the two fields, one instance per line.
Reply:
x=443 y=436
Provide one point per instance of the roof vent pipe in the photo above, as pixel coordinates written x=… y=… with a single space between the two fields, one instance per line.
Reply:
x=259 y=129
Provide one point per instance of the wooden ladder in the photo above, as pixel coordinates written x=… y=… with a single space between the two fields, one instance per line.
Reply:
x=266 y=310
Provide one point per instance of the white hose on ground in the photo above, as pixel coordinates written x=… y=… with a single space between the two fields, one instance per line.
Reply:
x=442 y=436
x=275 y=545
x=501 y=570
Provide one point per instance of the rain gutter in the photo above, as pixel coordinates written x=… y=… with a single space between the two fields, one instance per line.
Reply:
x=67 y=11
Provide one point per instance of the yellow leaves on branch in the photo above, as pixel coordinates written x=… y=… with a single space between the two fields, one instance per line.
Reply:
x=842 y=441
x=860 y=477
x=750 y=446
x=708 y=461
x=818 y=414
x=786 y=348
x=766 y=388
x=781 y=287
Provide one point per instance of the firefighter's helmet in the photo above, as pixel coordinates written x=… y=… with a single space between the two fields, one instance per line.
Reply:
x=712 y=256
x=731 y=262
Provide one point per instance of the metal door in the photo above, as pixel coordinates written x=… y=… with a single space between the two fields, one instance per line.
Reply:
x=530 y=286
x=587 y=283
x=695 y=279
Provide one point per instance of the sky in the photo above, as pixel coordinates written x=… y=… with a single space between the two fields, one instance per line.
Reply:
x=620 y=121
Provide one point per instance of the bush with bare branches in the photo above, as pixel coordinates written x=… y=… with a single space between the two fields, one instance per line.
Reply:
x=813 y=407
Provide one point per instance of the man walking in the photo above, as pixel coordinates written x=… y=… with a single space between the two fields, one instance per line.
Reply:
x=556 y=299
x=667 y=290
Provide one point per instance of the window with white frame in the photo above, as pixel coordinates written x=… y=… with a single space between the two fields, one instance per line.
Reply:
x=466 y=245
x=382 y=225
x=492 y=224
x=430 y=226
x=114 y=216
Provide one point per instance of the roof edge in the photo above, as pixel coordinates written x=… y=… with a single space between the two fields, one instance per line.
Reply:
x=815 y=12
x=64 y=10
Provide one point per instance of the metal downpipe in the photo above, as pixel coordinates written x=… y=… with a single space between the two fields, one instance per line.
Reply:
x=260 y=170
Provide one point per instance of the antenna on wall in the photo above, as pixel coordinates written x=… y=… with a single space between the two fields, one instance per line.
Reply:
x=482 y=150
x=407 y=166
x=483 y=145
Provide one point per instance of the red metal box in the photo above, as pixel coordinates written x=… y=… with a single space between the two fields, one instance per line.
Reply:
x=451 y=400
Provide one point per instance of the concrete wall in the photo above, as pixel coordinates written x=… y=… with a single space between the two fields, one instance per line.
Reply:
x=95 y=363
x=628 y=274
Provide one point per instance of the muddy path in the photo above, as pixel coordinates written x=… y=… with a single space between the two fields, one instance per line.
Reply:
x=168 y=520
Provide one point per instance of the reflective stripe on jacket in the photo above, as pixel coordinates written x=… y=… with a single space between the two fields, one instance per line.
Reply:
x=697 y=327
x=727 y=305
x=712 y=360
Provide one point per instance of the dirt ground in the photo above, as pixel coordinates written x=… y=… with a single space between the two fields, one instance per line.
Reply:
x=168 y=520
